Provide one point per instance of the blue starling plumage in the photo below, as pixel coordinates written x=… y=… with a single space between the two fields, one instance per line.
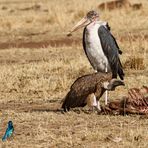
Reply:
x=9 y=131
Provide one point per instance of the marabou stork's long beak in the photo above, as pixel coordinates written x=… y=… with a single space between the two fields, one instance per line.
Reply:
x=82 y=23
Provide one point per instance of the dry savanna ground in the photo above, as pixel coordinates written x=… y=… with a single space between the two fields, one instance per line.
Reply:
x=38 y=63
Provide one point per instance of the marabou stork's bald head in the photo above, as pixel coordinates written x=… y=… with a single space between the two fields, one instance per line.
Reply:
x=90 y=17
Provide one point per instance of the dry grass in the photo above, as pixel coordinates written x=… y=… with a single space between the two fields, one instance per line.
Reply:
x=61 y=16
x=34 y=80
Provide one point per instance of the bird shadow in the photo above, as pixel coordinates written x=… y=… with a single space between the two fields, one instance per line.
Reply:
x=47 y=110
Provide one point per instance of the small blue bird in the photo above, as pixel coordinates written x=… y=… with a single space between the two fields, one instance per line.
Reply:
x=9 y=131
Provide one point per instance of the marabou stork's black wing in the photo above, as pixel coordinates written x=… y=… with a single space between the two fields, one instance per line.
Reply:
x=111 y=51
x=108 y=27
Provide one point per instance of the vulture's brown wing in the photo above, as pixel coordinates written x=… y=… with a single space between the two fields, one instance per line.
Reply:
x=77 y=98
x=73 y=99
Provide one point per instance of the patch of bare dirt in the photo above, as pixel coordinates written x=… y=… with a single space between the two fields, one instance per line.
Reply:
x=15 y=2
x=41 y=44
x=29 y=106
x=63 y=41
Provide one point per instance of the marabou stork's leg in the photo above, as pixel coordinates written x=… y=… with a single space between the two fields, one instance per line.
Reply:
x=106 y=92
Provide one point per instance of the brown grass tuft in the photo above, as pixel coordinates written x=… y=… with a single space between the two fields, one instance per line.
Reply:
x=136 y=63
x=79 y=14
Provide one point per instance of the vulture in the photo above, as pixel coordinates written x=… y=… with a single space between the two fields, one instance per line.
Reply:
x=88 y=89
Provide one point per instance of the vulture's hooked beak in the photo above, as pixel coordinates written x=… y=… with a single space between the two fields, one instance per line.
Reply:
x=113 y=84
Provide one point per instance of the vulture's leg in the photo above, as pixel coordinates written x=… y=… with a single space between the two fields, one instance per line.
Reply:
x=98 y=94
x=92 y=102
x=98 y=105
x=93 y=99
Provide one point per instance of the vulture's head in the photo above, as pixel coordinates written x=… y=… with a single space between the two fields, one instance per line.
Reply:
x=112 y=84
